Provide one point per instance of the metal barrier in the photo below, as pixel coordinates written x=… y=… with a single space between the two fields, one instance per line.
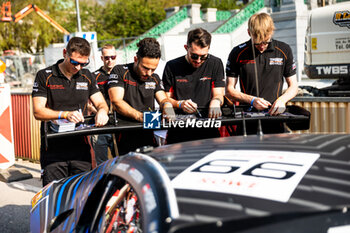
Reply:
x=26 y=129
x=328 y=114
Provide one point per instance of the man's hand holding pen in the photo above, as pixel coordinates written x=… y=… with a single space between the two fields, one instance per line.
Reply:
x=74 y=116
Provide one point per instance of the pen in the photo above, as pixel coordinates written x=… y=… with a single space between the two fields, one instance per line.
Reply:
x=199 y=114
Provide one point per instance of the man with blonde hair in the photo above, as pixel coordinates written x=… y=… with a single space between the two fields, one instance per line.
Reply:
x=261 y=63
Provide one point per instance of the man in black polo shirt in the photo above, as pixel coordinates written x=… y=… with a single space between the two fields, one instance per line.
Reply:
x=273 y=60
x=193 y=81
x=62 y=91
x=101 y=142
x=133 y=88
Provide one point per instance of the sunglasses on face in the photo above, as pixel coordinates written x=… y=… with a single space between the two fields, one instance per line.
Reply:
x=196 y=56
x=109 y=57
x=263 y=43
x=75 y=63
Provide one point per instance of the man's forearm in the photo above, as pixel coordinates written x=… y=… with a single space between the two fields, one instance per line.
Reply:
x=126 y=110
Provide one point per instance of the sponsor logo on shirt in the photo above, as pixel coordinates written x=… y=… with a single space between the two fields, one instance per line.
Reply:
x=150 y=85
x=276 y=61
x=48 y=71
x=113 y=81
x=182 y=80
x=82 y=86
x=35 y=84
x=161 y=84
x=294 y=66
x=113 y=76
x=247 y=61
x=242 y=46
x=205 y=78
x=130 y=82
x=55 y=87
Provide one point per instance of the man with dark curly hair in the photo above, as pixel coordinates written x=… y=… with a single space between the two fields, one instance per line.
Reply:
x=132 y=89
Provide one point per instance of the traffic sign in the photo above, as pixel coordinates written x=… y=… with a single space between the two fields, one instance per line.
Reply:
x=7 y=151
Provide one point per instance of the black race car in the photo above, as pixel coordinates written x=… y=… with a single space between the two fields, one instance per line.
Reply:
x=271 y=183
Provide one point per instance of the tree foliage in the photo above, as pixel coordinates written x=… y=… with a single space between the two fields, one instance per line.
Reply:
x=114 y=19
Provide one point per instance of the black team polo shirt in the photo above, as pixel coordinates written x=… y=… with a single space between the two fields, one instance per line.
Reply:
x=101 y=77
x=64 y=95
x=138 y=94
x=187 y=82
x=272 y=65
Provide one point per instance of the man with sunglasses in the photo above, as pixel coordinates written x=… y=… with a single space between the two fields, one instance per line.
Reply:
x=273 y=60
x=101 y=142
x=62 y=91
x=133 y=89
x=195 y=81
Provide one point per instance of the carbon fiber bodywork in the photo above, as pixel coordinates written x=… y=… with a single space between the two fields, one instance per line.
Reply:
x=325 y=187
x=318 y=202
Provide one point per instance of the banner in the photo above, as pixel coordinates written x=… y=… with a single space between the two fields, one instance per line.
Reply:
x=7 y=150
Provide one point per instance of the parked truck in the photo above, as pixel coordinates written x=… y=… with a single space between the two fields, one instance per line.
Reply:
x=327 y=47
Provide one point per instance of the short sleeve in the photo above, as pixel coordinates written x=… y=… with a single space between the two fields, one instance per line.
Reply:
x=168 y=78
x=159 y=83
x=219 y=75
x=39 y=86
x=232 y=68
x=290 y=67
x=115 y=78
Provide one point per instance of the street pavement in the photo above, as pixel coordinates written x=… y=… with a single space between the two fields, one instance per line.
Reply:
x=15 y=199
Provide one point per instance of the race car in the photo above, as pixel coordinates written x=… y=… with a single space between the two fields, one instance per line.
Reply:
x=269 y=183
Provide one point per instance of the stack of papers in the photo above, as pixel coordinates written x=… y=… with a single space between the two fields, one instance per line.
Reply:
x=62 y=125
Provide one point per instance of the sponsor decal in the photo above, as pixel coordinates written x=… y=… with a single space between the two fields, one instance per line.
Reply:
x=82 y=86
x=55 y=87
x=149 y=198
x=272 y=175
x=136 y=175
x=123 y=166
x=342 y=18
x=276 y=61
x=150 y=85
x=151 y=120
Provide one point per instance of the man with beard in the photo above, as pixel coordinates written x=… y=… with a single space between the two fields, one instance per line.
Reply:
x=195 y=81
x=133 y=88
